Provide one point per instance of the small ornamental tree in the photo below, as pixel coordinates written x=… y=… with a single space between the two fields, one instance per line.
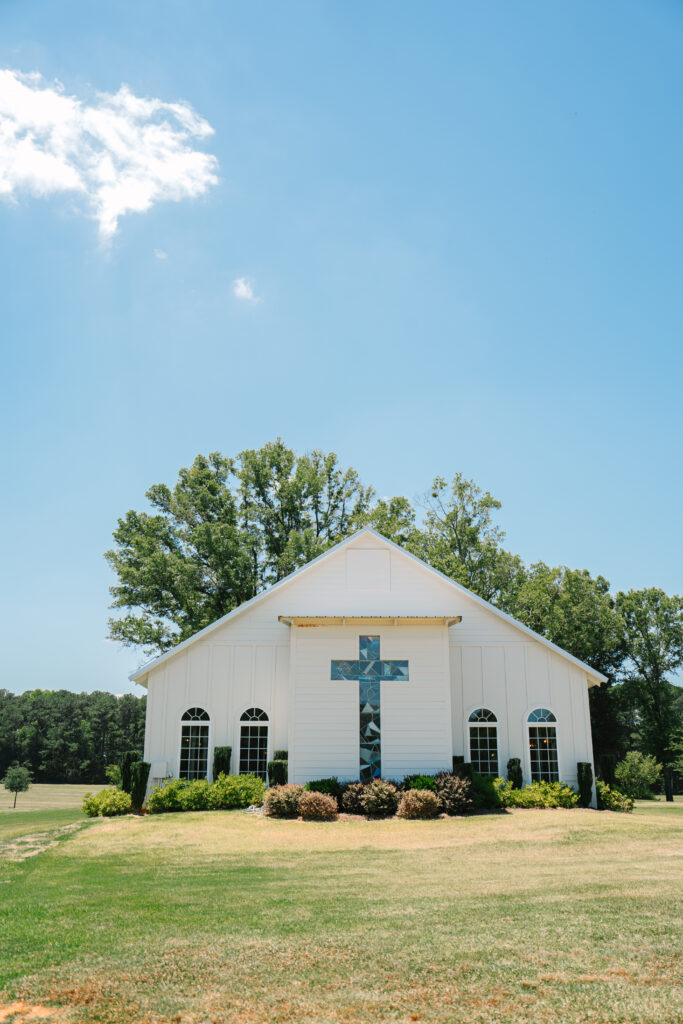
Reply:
x=584 y=776
x=637 y=774
x=221 y=761
x=515 y=772
x=17 y=780
x=127 y=760
x=139 y=773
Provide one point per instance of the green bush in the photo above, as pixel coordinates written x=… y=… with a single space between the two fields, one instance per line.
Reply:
x=236 y=791
x=418 y=782
x=139 y=773
x=108 y=803
x=537 y=794
x=515 y=773
x=112 y=773
x=280 y=755
x=484 y=794
x=194 y=796
x=379 y=799
x=277 y=773
x=226 y=793
x=127 y=760
x=418 y=803
x=637 y=774
x=584 y=777
x=611 y=799
x=331 y=786
x=461 y=770
x=352 y=798
x=283 y=801
x=221 y=761
x=454 y=793
x=315 y=805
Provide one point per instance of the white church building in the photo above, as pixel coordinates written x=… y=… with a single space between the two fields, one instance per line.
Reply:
x=367 y=662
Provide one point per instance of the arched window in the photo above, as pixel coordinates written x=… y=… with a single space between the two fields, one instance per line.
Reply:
x=484 y=742
x=543 y=746
x=194 y=744
x=254 y=742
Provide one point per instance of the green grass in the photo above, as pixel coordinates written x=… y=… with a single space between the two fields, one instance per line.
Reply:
x=43 y=808
x=530 y=916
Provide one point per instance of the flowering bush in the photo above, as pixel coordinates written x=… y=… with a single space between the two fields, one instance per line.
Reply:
x=314 y=806
x=418 y=803
x=108 y=803
x=379 y=798
x=611 y=799
x=283 y=801
x=454 y=793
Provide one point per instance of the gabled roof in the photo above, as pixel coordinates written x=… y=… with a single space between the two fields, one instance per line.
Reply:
x=141 y=674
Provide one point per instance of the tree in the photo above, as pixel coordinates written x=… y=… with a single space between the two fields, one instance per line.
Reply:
x=17 y=780
x=637 y=774
x=228 y=528
x=653 y=629
x=461 y=540
x=577 y=612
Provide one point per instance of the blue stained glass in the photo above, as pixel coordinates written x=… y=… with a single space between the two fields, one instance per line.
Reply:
x=368 y=671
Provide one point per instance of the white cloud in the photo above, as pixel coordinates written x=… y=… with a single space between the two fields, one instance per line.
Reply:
x=160 y=254
x=120 y=152
x=242 y=289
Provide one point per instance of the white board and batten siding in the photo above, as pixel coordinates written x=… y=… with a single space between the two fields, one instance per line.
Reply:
x=251 y=659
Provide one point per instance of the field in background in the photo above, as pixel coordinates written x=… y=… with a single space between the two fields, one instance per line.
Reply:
x=44 y=808
x=528 y=916
x=46 y=797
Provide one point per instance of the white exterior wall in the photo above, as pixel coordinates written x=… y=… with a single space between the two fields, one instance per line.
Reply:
x=254 y=660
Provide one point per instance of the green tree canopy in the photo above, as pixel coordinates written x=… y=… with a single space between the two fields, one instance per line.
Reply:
x=17 y=780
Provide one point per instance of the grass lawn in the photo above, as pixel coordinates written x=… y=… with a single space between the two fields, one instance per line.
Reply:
x=43 y=808
x=529 y=916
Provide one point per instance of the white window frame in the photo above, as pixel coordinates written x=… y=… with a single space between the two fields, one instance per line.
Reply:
x=238 y=745
x=479 y=725
x=209 y=748
x=530 y=725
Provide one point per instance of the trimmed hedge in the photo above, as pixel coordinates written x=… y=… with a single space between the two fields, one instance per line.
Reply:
x=127 y=760
x=515 y=777
x=221 y=761
x=277 y=772
x=418 y=803
x=317 y=806
x=584 y=777
x=280 y=755
x=611 y=799
x=484 y=794
x=108 y=803
x=537 y=794
x=418 y=782
x=283 y=801
x=226 y=793
x=139 y=773
x=331 y=786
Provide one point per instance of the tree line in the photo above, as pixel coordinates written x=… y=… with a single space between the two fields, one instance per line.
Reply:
x=69 y=737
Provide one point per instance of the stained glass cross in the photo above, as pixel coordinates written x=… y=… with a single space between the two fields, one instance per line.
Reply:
x=369 y=671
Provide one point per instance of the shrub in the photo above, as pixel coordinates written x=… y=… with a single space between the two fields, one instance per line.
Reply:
x=537 y=794
x=461 y=770
x=637 y=774
x=139 y=773
x=127 y=760
x=418 y=803
x=166 y=796
x=352 y=798
x=108 y=803
x=283 y=801
x=332 y=787
x=317 y=806
x=418 y=782
x=379 y=798
x=608 y=763
x=484 y=794
x=611 y=799
x=280 y=755
x=454 y=793
x=515 y=773
x=194 y=796
x=235 y=791
x=221 y=761
x=277 y=773
x=584 y=776
x=112 y=773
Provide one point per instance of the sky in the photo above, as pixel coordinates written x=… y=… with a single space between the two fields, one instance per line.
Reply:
x=433 y=238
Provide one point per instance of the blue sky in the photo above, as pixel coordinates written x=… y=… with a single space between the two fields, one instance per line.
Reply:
x=460 y=227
